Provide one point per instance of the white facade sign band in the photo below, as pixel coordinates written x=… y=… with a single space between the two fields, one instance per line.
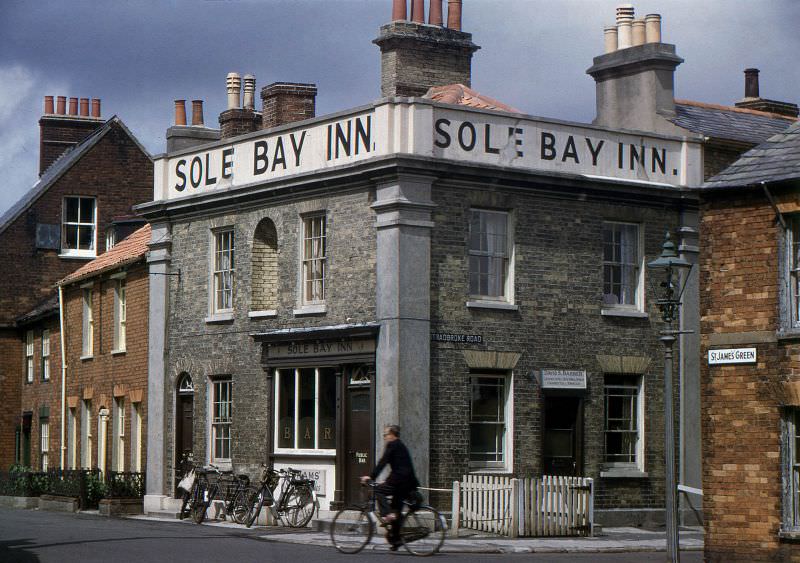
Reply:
x=732 y=356
x=423 y=129
x=563 y=379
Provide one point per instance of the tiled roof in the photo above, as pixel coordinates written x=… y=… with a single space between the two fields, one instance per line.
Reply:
x=729 y=123
x=59 y=167
x=776 y=160
x=128 y=251
x=459 y=94
x=44 y=309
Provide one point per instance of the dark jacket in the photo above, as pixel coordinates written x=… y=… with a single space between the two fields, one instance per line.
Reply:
x=397 y=456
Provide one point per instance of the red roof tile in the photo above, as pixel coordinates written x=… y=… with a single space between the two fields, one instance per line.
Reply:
x=129 y=250
x=459 y=94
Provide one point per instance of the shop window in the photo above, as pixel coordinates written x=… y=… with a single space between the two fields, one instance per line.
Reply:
x=306 y=409
x=44 y=436
x=624 y=423
x=120 y=315
x=221 y=419
x=88 y=324
x=791 y=470
x=224 y=270
x=264 y=285
x=29 y=356
x=45 y=355
x=79 y=227
x=315 y=257
x=489 y=421
x=490 y=252
x=622 y=266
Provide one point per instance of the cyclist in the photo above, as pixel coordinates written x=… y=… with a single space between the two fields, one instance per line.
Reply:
x=399 y=485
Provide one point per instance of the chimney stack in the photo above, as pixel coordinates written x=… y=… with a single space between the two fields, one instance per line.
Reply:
x=238 y=120
x=416 y=56
x=752 y=99
x=287 y=102
x=180 y=136
x=59 y=130
x=635 y=77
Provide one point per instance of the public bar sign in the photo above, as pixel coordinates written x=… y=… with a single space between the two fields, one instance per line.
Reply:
x=563 y=379
x=732 y=356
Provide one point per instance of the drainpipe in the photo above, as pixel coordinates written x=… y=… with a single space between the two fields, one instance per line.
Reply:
x=774 y=205
x=63 y=372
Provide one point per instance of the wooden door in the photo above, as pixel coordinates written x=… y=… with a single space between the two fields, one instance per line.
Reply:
x=184 y=426
x=561 y=447
x=359 y=457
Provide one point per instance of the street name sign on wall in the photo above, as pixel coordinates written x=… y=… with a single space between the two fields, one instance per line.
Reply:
x=563 y=379
x=732 y=356
x=457 y=338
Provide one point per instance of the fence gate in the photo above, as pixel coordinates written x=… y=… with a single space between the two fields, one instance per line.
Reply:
x=542 y=506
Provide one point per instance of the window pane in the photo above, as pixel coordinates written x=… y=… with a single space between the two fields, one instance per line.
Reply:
x=72 y=204
x=86 y=210
x=286 y=409
x=488 y=253
x=327 y=409
x=85 y=238
x=487 y=419
x=306 y=401
x=70 y=237
x=486 y=442
x=620 y=263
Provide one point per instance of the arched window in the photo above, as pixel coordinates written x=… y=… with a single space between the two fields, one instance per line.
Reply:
x=264 y=285
x=185 y=385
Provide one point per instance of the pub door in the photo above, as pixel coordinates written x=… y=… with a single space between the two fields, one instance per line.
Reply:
x=358 y=431
x=184 y=426
x=562 y=444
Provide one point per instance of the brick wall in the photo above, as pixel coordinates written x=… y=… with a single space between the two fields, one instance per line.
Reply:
x=741 y=416
x=235 y=122
x=287 y=103
x=11 y=360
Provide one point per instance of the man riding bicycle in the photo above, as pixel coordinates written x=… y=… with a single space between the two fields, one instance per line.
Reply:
x=401 y=481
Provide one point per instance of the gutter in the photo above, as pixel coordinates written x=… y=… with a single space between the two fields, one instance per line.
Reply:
x=63 y=373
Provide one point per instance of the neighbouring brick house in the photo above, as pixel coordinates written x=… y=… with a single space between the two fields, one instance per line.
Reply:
x=92 y=171
x=105 y=304
x=750 y=320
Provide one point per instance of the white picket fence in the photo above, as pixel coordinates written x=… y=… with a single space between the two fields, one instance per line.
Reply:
x=542 y=506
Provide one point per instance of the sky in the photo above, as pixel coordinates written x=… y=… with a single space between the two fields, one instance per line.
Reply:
x=138 y=56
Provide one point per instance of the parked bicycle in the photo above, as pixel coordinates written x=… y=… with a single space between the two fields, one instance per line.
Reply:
x=222 y=485
x=421 y=528
x=285 y=493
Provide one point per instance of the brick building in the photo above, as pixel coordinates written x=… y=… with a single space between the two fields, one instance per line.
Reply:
x=750 y=225
x=92 y=172
x=443 y=262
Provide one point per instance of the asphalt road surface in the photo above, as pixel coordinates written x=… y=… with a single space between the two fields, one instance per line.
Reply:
x=32 y=536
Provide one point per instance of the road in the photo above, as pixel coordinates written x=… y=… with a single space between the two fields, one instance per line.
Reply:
x=28 y=536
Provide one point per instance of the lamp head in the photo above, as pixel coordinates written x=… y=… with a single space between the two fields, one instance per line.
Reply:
x=669 y=258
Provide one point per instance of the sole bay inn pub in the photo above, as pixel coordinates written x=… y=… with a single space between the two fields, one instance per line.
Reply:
x=447 y=264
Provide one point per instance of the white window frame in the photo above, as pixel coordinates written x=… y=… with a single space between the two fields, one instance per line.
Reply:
x=222 y=424
x=120 y=315
x=314 y=259
x=29 y=346
x=86 y=434
x=44 y=439
x=792 y=269
x=506 y=442
x=316 y=450
x=46 y=355
x=118 y=449
x=223 y=276
x=638 y=290
x=72 y=439
x=637 y=465
x=87 y=345
x=505 y=254
x=79 y=225
x=136 y=437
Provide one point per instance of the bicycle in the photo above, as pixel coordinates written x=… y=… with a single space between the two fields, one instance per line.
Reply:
x=296 y=500
x=422 y=527
x=205 y=492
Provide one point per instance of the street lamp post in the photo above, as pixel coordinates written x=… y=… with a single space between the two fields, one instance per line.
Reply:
x=668 y=303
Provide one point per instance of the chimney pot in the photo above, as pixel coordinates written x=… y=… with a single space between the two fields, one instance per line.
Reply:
x=180 y=112
x=624 y=34
x=84 y=107
x=624 y=12
x=73 y=106
x=399 y=10
x=435 y=14
x=48 y=105
x=454 y=14
x=418 y=11
x=249 y=92
x=96 y=107
x=610 y=38
x=197 y=113
x=751 y=83
x=638 y=32
x=652 y=28
x=61 y=105
x=234 y=83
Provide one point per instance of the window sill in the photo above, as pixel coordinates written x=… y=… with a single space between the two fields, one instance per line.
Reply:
x=489 y=470
x=263 y=314
x=789 y=535
x=88 y=357
x=631 y=313
x=788 y=334
x=118 y=352
x=305 y=453
x=219 y=318
x=70 y=256
x=623 y=473
x=320 y=309
x=488 y=304
x=222 y=464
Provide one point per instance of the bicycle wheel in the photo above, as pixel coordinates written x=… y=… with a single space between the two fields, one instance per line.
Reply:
x=299 y=506
x=256 y=501
x=351 y=529
x=422 y=531
x=244 y=504
x=201 y=503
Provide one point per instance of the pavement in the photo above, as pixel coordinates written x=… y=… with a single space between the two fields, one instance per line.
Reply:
x=609 y=540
